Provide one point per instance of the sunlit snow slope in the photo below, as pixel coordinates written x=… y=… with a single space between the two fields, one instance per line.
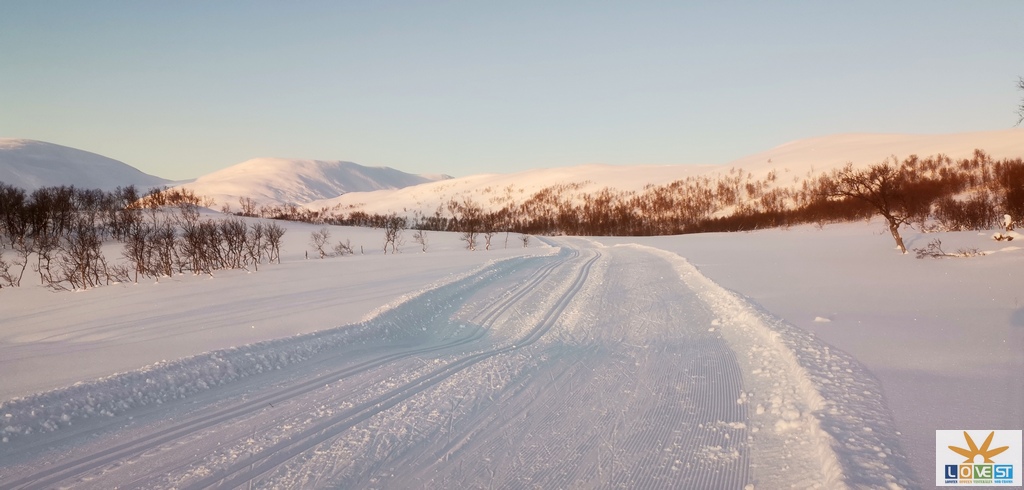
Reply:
x=792 y=163
x=281 y=181
x=31 y=164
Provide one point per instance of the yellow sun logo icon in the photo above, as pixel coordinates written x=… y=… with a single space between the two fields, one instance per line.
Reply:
x=973 y=451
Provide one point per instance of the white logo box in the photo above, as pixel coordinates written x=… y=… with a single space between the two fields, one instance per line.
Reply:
x=1002 y=470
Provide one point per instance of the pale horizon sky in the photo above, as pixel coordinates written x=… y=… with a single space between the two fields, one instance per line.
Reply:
x=181 y=89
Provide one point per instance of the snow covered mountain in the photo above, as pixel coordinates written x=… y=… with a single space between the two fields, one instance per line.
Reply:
x=31 y=164
x=792 y=163
x=277 y=181
x=828 y=152
x=347 y=187
x=493 y=191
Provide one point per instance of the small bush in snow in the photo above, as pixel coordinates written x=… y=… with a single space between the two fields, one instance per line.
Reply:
x=318 y=240
x=420 y=237
x=343 y=248
x=934 y=250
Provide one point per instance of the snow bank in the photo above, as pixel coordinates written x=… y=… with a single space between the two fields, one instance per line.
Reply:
x=171 y=380
x=806 y=398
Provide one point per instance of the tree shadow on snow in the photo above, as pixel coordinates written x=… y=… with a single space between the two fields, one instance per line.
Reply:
x=1017 y=318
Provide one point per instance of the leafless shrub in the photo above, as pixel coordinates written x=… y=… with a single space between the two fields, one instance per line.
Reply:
x=932 y=249
x=187 y=213
x=318 y=240
x=394 y=225
x=164 y=251
x=897 y=194
x=255 y=244
x=935 y=251
x=470 y=220
x=79 y=262
x=233 y=243
x=137 y=249
x=5 y=271
x=274 y=234
x=119 y=272
x=342 y=249
x=420 y=237
x=469 y=236
x=969 y=252
x=11 y=272
x=488 y=235
x=248 y=206
x=45 y=247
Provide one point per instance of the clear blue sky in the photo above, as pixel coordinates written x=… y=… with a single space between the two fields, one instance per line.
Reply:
x=183 y=88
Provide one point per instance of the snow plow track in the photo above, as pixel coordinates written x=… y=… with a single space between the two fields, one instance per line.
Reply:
x=275 y=455
x=593 y=367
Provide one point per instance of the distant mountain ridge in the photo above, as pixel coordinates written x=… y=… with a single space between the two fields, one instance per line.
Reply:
x=828 y=152
x=31 y=164
x=282 y=181
x=347 y=187
x=791 y=163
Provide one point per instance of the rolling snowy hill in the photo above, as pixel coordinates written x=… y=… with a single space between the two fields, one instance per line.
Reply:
x=347 y=187
x=792 y=162
x=828 y=152
x=281 y=181
x=492 y=191
x=31 y=164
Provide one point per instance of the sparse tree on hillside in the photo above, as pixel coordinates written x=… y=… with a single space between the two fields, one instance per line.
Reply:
x=879 y=187
x=274 y=233
x=164 y=251
x=318 y=239
x=898 y=195
x=343 y=248
x=420 y=237
x=9 y=277
x=248 y=206
x=393 y=227
x=137 y=248
x=79 y=260
x=256 y=244
x=233 y=234
x=470 y=221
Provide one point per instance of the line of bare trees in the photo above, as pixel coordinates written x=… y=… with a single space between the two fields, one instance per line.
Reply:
x=936 y=192
x=59 y=233
x=178 y=241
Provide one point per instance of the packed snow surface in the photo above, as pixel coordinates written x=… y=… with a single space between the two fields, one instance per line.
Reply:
x=666 y=362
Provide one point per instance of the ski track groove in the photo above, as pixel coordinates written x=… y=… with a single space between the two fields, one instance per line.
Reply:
x=153 y=441
x=285 y=450
x=621 y=440
x=630 y=389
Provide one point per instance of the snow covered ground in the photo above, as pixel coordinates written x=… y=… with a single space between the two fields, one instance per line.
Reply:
x=769 y=359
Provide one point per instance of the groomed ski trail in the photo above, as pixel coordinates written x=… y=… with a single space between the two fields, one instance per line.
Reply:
x=616 y=367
